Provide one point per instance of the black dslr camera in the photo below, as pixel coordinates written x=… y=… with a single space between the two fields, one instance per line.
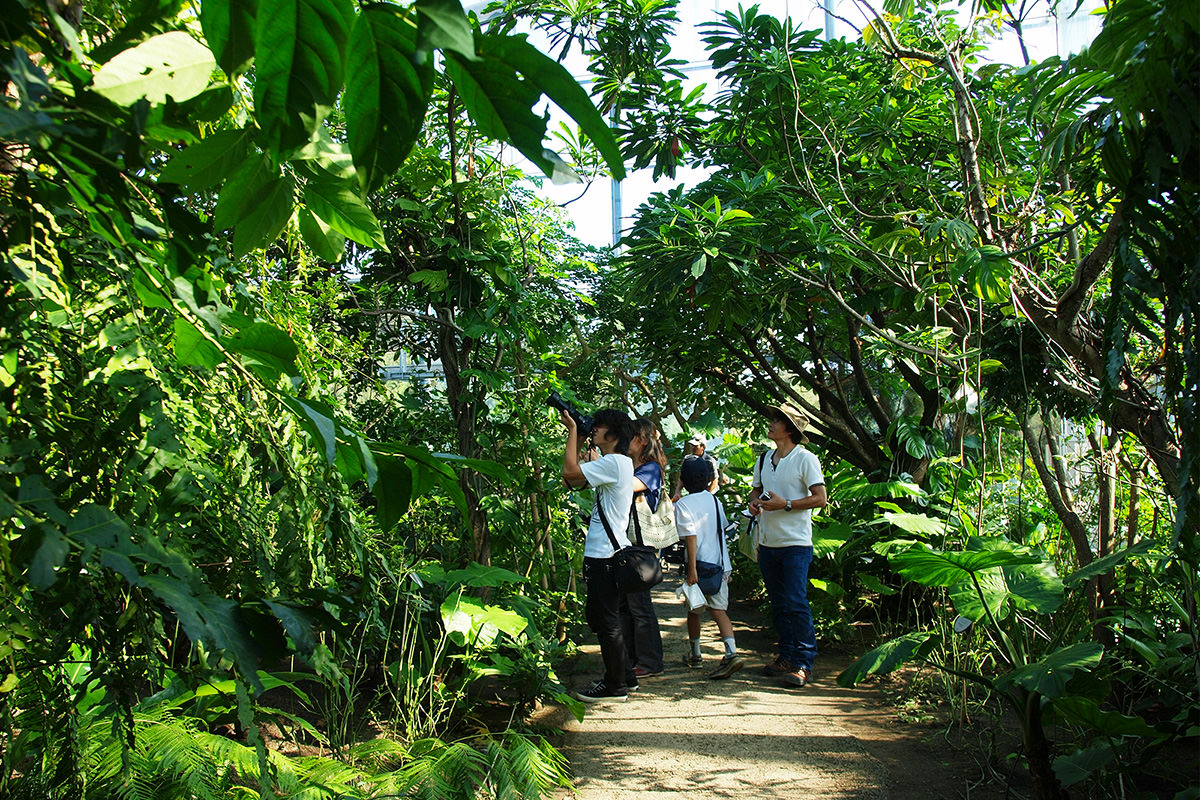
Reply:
x=584 y=424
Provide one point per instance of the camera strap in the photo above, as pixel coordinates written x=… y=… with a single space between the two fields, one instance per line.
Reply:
x=720 y=529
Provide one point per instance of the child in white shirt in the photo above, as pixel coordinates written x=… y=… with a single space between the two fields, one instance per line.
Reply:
x=700 y=520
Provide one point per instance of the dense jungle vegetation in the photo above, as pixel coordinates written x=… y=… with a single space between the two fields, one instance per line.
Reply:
x=238 y=563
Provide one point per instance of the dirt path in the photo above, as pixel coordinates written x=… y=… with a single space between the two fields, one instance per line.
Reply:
x=749 y=736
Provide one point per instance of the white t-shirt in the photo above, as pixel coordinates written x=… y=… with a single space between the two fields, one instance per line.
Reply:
x=701 y=515
x=790 y=479
x=612 y=478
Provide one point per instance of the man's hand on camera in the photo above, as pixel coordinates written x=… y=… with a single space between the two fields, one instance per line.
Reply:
x=568 y=421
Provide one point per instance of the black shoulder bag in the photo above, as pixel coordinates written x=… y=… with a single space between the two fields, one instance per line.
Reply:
x=635 y=568
x=709 y=575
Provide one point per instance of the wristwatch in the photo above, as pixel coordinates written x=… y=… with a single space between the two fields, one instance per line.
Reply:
x=787 y=506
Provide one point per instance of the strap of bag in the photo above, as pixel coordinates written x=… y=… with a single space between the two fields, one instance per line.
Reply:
x=720 y=530
x=604 y=522
x=608 y=528
x=637 y=523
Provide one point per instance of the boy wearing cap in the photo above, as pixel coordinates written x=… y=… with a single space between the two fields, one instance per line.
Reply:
x=788 y=485
x=700 y=520
x=695 y=449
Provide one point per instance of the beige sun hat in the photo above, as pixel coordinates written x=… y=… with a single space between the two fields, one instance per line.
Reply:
x=795 y=416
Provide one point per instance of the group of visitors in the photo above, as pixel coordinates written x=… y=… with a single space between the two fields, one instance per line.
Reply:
x=625 y=459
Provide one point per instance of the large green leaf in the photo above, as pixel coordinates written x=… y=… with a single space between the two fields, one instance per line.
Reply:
x=1033 y=586
x=192 y=348
x=299 y=56
x=946 y=568
x=256 y=201
x=387 y=92
x=326 y=243
x=988 y=272
x=170 y=64
x=444 y=26
x=1079 y=765
x=469 y=621
x=501 y=89
x=992 y=587
x=916 y=523
x=477 y=576
x=318 y=419
x=340 y=207
x=207 y=618
x=50 y=554
x=209 y=161
x=890 y=656
x=393 y=490
x=1102 y=566
x=1086 y=711
x=229 y=30
x=1050 y=675
x=265 y=349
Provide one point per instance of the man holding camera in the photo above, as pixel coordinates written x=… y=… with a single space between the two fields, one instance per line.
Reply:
x=788 y=485
x=607 y=468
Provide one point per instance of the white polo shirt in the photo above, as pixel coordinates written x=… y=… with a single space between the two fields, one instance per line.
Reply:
x=612 y=478
x=790 y=479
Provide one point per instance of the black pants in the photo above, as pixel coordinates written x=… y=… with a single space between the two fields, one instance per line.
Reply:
x=603 y=613
x=639 y=625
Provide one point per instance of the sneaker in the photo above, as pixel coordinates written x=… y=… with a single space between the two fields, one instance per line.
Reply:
x=693 y=660
x=779 y=666
x=730 y=664
x=632 y=686
x=798 y=677
x=642 y=672
x=599 y=692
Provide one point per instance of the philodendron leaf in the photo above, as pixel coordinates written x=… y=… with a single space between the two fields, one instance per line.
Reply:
x=1086 y=711
x=170 y=64
x=988 y=272
x=1050 y=675
x=1033 y=586
x=916 y=523
x=299 y=55
x=468 y=620
x=1079 y=765
x=890 y=656
x=387 y=92
x=946 y=568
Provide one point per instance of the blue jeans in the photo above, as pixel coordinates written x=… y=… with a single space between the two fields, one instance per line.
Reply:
x=785 y=573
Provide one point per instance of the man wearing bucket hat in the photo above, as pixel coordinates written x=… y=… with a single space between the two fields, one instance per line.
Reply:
x=788 y=485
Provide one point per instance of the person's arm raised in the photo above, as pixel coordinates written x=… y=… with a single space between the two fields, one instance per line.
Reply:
x=572 y=474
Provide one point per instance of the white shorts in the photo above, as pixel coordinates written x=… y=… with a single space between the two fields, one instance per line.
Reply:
x=720 y=600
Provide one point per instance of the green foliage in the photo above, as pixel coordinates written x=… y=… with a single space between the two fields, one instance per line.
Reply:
x=186 y=492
